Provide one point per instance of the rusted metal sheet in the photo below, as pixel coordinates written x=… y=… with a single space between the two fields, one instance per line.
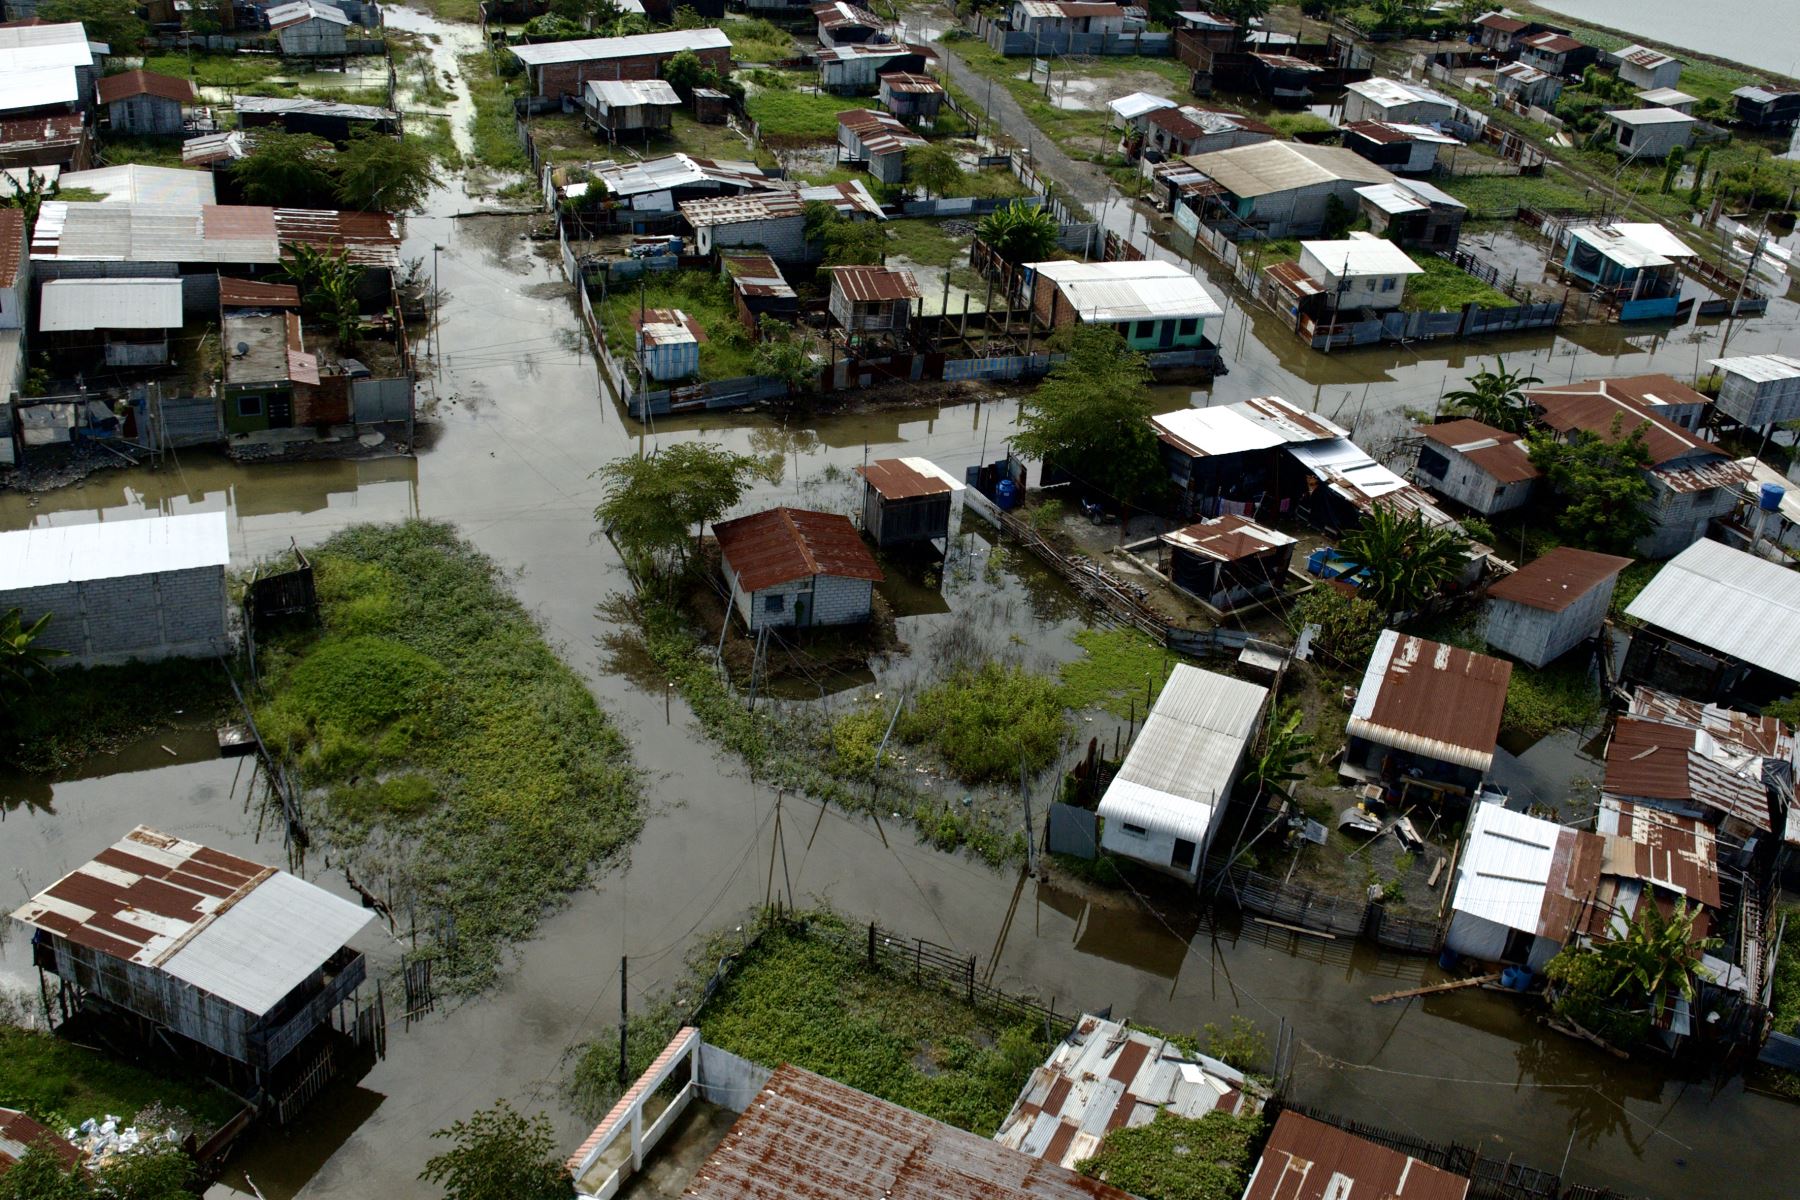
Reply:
x=251 y=293
x=896 y=480
x=1658 y=760
x=871 y=284
x=786 y=544
x=1310 y=1160
x=1440 y=701
x=1556 y=580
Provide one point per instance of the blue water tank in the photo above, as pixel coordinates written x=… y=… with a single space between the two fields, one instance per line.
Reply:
x=1771 y=497
x=1315 y=562
x=1006 y=495
x=1516 y=978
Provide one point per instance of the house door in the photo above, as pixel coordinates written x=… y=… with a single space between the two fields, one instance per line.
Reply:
x=281 y=412
x=1518 y=946
x=1167 y=335
x=1183 y=858
x=802 y=610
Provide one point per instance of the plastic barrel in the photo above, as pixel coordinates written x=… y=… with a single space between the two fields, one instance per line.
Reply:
x=1770 y=499
x=1006 y=494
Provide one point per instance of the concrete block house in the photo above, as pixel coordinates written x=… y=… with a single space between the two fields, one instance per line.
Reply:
x=793 y=567
x=1154 y=305
x=558 y=69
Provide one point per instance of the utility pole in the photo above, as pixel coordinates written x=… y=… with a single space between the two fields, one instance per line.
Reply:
x=624 y=1065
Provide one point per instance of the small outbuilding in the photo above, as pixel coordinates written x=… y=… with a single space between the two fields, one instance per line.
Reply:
x=1229 y=561
x=1679 y=768
x=243 y=959
x=1637 y=262
x=1500 y=33
x=1527 y=85
x=20 y=1133
x=1360 y=271
x=1402 y=148
x=1411 y=212
x=877 y=139
x=841 y=23
x=1427 y=712
x=909 y=500
x=1227 y=459
x=310 y=28
x=1169 y=796
x=1306 y=1159
x=131 y=319
x=1551 y=605
x=1178 y=132
x=668 y=343
x=1759 y=390
x=1644 y=68
x=1476 y=465
x=1673 y=98
x=1398 y=100
x=1523 y=887
x=760 y=289
x=144 y=103
x=1651 y=133
x=561 y=68
x=1557 y=54
x=856 y=70
x=1723 y=619
x=1766 y=106
x=335 y=121
x=915 y=99
x=793 y=567
x=771 y=221
x=869 y=300
x=630 y=106
x=1130 y=113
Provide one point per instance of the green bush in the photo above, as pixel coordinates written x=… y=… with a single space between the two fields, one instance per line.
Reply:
x=360 y=684
x=985 y=722
x=1179 y=1158
x=1348 y=625
x=855 y=738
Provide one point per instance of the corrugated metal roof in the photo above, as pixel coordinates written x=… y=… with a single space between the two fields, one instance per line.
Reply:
x=281 y=16
x=1127 y=291
x=1726 y=600
x=1106 y=1075
x=59 y=130
x=878 y=132
x=1501 y=455
x=1558 y=579
x=756 y=274
x=848 y=196
x=628 y=93
x=874 y=284
x=1255 y=424
x=1526 y=873
x=1760 y=368
x=15 y=35
x=1228 y=539
x=906 y=478
x=71 y=305
x=1703 y=476
x=1521 y=72
x=1551 y=42
x=1676 y=853
x=216 y=147
x=1639 y=117
x=1179 y=769
x=840 y=14
x=667 y=327
x=678 y=170
x=1634 y=243
x=1356 y=257
x=1663 y=760
x=1763 y=93
x=1666 y=96
x=47 y=555
x=807 y=1136
x=144 y=233
x=781 y=545
x=738 y=210
x=1348 y=470
x=1593 y=406
x=369 y=239
x=145 y=83
x=669 y=42
x=136 y=183
x=289 y=105
x=856 y=50
x=1642 y=56
x=1265 y=168
x=1439 y=701
x=252 y=293
x=1389 y=93
x=1129 y=108
x=23 y=86
x=1501 y=23
x=1306 y=1159
x=905 y=83
x=19 y=1133
x=1740 y=739
x=12 y=246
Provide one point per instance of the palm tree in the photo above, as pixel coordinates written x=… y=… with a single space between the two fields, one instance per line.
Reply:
x=22 y=660
x=1495 y=398
x=1019 y=233
x=1657 y=952
x=1274 y=771
x=1407 y=559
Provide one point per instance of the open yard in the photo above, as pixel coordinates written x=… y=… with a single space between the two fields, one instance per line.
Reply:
x=1446 y=287
x=754 y=40
x=727 y=351
x=790 y=117
x=61 y=1083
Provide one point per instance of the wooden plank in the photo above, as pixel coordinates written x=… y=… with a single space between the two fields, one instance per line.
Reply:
x=1433 y=989
x=1320 y=933
x=1436 y=868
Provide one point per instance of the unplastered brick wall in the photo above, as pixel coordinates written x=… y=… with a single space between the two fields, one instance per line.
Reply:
x=175 y=613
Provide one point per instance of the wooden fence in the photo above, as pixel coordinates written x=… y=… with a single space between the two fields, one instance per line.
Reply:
x=1340 y=916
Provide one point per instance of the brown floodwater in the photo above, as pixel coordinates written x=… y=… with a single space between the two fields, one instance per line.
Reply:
x=522 y=422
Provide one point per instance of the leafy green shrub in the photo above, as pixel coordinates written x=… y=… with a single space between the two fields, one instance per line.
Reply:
x=1241 y=1045
x=855 y=738
x=361 y=683
x=401 y=796
x=1178 y=1158
x=1561 y=696
x=985 y=722
x=1348 y=625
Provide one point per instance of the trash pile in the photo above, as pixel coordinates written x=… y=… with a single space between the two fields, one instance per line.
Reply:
x=101 y=1141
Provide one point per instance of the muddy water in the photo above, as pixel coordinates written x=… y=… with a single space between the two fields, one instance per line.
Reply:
x=523 y=420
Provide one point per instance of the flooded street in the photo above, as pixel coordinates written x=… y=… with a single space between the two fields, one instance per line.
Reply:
x=521 y=420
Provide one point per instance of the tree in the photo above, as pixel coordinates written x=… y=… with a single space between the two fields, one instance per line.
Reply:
x=1091 y=416
x=933 y=168
x=1242 y=11
x=652 y=503
x=1672 y=167
x=1347 y=625
x=286 y=169
x=28 y=196
x=384 y=174
x=1019 y=233
x=157 y=1173
x=114 y=22
x=780 y=355
x=500 y=1154
x=685 y=72
x=1408 y=560
x=845 y=242
x=1699 y=177
x=1275 y=768
x=22 y=660
x=1495 y=397
x=1602 y=483
x=1614 y=988
x=328 y=286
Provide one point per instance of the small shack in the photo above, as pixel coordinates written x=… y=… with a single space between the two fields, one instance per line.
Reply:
x=909 y=500
x=131 y=319
x=1634 y=261
x=1426 y=712
x=774 y=222
x=310 y=28
x=857 y=70
x=1360 y=271
x=1717 y=622
x=1651 y=133
x=1673 y=98
x=144 y=103
x=558 y=69
x=333 y=120
x=1476 y=465
x=1306 y=1159
x=793 y=567
x=873 y=300
x=875 y=138
x=1284 y=189
x=1404 y=149
x=1170 y=794
x=1759 y=390
x=1675 y=767
x=1154 y=305
x=915 y=99
x=1229 y=561
x=1381 y=99
x=1551 y=605
x=1644 y=68
x=1523 y=887
x=242 y=959
x=1557 y=54
x=841 y=23
x=630 y=106
x=1226 y=459
x=760 y=289
x=1527 y=85
x=668 y=343
x=1413 y=213
x=1766 y=106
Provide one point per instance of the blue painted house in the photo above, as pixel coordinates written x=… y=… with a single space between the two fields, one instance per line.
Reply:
x=1637 y=263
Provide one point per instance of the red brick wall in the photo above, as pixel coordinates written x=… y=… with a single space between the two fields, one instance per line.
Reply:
x=566 y=79
x=1045 y=299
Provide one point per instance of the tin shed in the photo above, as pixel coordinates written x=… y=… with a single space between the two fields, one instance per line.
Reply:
x=143 y=102
x=1306 y=1159
x=907 y=500
x=310 y=28
x=1551 y=605
x=1475 y=464
x=1427 y=711
x=1759 y=389
x=238 y=957
x=1229 y=561
x=1523 y=886
x=668 y=343
x=794 y=567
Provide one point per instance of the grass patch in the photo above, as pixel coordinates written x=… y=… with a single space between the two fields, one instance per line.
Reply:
x=798 y=118
x=992 y=184
x=756 y=40
x=149 y=151
x=1784 y=1001
x=1120 y=669
x=1504 y=195
x=82 y=711
x=467 y=11
x=727 y=352
x=1288 y=124
x=1077 y=130
x=1560 y=696
x=714 y=141
x=491 y=126
x=1446 y=287
x=63 y=1084
x=435 y=134
x=444 y=746
x=1179 y=1158
x=216 y=70
x=987 y=721
x=924 y=242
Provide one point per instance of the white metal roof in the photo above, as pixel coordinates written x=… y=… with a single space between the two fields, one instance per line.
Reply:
x=34 y=86
x=671 y=41
x=1178 y=771
x=265 y=945
x=1359 y=256
x=1391 y=92
x=1405 y=196
x=1633 y=244
x=1129 y=108
x=157 y=233
x=1521 y=72
x=677 y=170
x=1126 y=291
x=281 y=105
x=1760 y=93
x=305 y=10
x=136 y=183
x=1505 y=869
x=1264 y=168
x=69 y=305
x=1760 y=368
x=28 y=47
x=1666 y=96
x=47 y=555
x=1341 y=457
x=1729 y=601
x=1255 y=424
x=1650 y=116
x=626 y=93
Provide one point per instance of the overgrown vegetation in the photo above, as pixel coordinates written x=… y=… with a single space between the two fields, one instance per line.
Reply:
x=1560 y=696
x=727 y=351
x=83 y=711
x=989 y=722
x=1348 y=625
x=493 y=141
x=1614 y=989
x=1179 y=1158
x=1446 y=287
x=60 y=1083
x=1090 y=417
x=788 y=117
x=427 y=670
x=1600 y=484
x=1784 y=1000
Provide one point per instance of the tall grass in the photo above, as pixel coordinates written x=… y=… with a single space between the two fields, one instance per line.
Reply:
x=492 y=128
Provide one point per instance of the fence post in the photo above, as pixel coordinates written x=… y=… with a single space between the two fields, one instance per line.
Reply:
x=918 y=960
x=871 y=945
x=971 y=979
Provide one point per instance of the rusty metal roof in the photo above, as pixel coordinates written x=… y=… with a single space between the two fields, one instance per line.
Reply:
x=1594 y=404
x=1500 y=23
x=1228 y=538
x=878 y=132
x=19 y=1133
x=1552 y=43
x=806 y=1136
x=1737 y=733
x=1558 y=579
x=779 y=546
x=865 y=284
x=742 y=209
x=56 y=130
x=756 y=275
x=905 y=82
x=145 y=83
x=1677 y=853
x=907 y=478
x=251 y=293
x=1498 y=453
x=12 y=245
x=841 y=14
x=667 y=327
x=1105 y=1075
x=1306 y=1159
x=1661 y=760
x=1438 y=701
x=371 y=239
x=1290 y=276
x=1704 y=476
